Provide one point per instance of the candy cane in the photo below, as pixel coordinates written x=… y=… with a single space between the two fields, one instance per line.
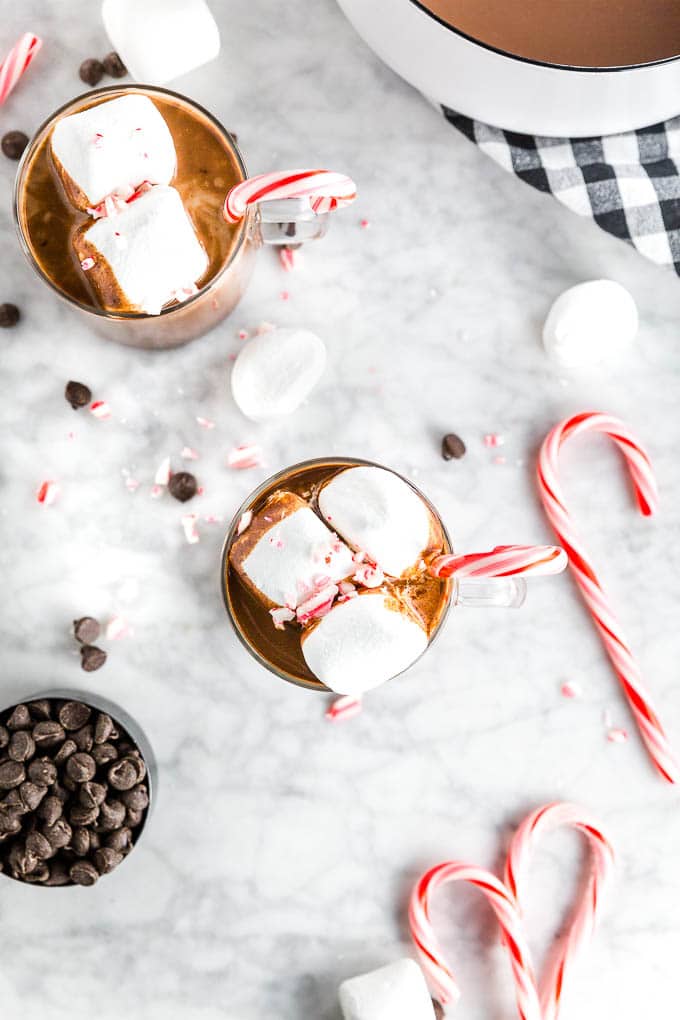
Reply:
x=16 y=62
x=325 y=189
x=502 y=561
x=582 y=924
x=605 y=621
x=442 y=982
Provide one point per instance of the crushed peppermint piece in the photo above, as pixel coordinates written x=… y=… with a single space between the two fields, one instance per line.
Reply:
x=205 y=423
x=213 y=519
x=116 y=628
x=162 y=476
x=369 y=576
x=317 y=605
x=47 y=493
x=190 y=529
x=285 y=295
x=243 y=334
x=98 y=140
x=499 y=460
x=364 y=224
x=617 y=736
x=276 y=541
x=87 y=264
x=493 y=439
x=188 y=453
x=281 y=616
x=245 y=456
x=244 y=521
x=156 y=491
x=100 y=409
x=288 y=258
x=343 y=709
x=570 y=689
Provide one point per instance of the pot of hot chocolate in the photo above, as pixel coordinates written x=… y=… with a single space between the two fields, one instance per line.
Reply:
x=547 y=67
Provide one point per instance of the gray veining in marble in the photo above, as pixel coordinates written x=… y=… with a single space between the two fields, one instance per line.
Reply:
x=282 y=849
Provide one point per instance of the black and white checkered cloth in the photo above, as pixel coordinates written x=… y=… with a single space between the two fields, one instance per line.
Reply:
x=628 y=183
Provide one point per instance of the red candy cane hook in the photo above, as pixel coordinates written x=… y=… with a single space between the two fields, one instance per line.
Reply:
x=605 y=621
x=16 y=62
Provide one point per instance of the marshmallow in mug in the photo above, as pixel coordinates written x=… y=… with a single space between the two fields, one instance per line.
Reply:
x=159 y=40
x=590 y=323
x=144 y=255
x=363 y=642
x=395 y=992
x=378 y=513
x=112 y=148
x=287 y=551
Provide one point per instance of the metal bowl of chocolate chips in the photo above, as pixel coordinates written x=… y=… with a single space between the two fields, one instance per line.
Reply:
x=75 y=789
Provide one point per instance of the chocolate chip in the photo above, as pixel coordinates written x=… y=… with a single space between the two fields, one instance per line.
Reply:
x=111 y=815
x=137 y=798
x=41 y=709
x=74 y=714
x=95 y=839
x=80 y=767
x=133 y=818
x=42 y=772
x=13 y=144
x=21 y=746
x=81 y=815
x=182 y=486
x=92 y=658
x=84 y=738
x=58 y=874
x=4 y=737
x=12 y=773
x=10 y=818
x=104 y=753
x=31 y=794
x=114 y=66
x=9 y=315
x=58 y=834
x=79 y=395
x=21 y=861
x=453 y=447
x=91 y=71
x=123 y=774
x=20 y=719
x=40 y=847
x=80 y=842
x=83 y=873
x=68 y=748
x=120 y=840
x=103 y=728
x=106 y=859
x=92 y=794
x=48 y=733
x=50 y=809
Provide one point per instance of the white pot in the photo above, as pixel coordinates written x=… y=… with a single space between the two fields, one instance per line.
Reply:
x=509 y=91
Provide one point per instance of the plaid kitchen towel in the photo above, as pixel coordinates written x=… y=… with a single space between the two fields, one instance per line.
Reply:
x=628 y=183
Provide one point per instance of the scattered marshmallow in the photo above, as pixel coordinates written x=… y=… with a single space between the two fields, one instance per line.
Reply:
x=395 y=992
x=361 y=643
x=112 y=147
x=161 y=256
x=276 y=371
x=287 y=554
x=159 y=40
x=590 y=323
x=377 y=512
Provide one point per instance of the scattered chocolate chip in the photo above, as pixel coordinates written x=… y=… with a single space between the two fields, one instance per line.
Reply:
x=20 y=719
x=91 y=71
x=37 y=845
x=453 y=447
x=114 y=66
x=74 y=714
x=83 y=873
x=92 y=658
x=106 y=859
x=103 y=728
x=42 y=772
x=80 y=767
x=21 y=746
x=50 y=809
x=123 y=774
x=182 y=486
x=13 y=144
x=68 y=748
x=9 y=315
x=48 y=733
x=80 y=395
x=104 y=753
x=12 y=773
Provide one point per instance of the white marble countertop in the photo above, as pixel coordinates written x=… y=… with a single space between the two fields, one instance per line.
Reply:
x=282 y=848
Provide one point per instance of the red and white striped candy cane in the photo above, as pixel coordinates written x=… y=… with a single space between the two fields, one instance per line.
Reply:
x=503 y=561
x=325 y=189
x=441 y=980
x=16 y=62
x=605 y=621
x=582 y=924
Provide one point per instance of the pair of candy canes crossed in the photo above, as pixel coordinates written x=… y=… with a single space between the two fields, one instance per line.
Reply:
x=536 y=999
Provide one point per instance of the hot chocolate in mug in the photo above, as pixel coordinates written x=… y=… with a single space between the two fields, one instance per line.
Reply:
x=338 y=573
x=134 y=205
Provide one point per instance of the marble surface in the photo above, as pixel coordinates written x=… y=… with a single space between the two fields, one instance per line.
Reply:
x=281 y=850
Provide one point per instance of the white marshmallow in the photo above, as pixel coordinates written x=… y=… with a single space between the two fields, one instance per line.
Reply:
x=362 y=643
x=159 y=40
x=377 y=512
x=150 y=248
x=395 y=992
x=292 y=555
x=113 y=147
x=276 y=371
x=590 y=323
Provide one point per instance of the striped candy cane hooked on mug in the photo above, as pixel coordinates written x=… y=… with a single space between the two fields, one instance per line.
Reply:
x=536 y=1000
x=606 y=623
x=325 y=189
